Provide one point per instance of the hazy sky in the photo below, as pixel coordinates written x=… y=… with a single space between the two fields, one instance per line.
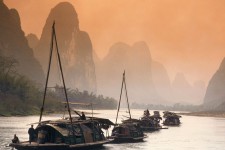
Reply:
x=185 y=35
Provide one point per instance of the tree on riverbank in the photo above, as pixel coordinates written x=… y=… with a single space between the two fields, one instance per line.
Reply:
x=21 y=96
x=18 y=95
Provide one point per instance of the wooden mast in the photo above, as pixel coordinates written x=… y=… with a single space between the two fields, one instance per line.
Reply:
x=49 y=65
x=128 y=106
x=53 y=38
x=118 y=109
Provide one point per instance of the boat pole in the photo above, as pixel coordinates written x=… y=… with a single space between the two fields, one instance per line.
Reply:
x=128 y=106
x=118 y=109
x=64 y=85
x=60 y=66
x=49 y=65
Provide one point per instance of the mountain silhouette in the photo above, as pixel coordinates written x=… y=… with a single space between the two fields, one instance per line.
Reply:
x=32 y=40
x=162 y=81
x=75 y=49
x=136 y=61
x=13 y=43
x=185 y=93
x=215 y=95
x=182 y=88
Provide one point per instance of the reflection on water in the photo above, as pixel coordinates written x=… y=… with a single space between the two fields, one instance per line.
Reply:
x=195 y=133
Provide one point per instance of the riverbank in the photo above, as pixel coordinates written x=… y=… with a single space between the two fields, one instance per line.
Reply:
x=218 y=114
x=37 y=113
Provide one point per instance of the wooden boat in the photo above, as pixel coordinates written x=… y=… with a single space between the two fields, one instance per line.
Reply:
x=128 y=133
x=171 y=119
x=60 y=134
x=129 y=130
x=150 y=123
x=65 y=134
x=147 y=123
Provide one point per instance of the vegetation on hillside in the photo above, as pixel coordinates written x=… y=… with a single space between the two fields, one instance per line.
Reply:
x=21 y=96
x=98 y=101
x=18 y=94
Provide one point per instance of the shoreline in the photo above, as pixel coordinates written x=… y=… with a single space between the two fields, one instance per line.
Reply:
x=218 y=114
x=46 y=113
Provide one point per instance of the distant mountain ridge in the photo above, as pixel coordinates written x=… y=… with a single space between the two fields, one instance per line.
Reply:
x=215 y=93
x=148 y=80
x=32 y=40
x=182 y=88
x=136 y=61
x=13 y=43
x=75 y=49
x=162 y=81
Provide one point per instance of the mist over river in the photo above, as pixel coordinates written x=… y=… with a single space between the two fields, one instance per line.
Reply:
x=195 y=133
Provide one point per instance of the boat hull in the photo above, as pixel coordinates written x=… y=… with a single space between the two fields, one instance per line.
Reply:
x=171 y=124
x=50 y=146
x=149 y=129
x=127 y=139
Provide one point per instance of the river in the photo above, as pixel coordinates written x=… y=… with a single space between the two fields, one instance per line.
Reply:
x=195 y=133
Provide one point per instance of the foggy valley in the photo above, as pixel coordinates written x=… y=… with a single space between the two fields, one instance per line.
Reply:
x=112 y=74
x=169 y=58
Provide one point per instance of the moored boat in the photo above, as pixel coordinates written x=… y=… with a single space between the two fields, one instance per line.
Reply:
x=171 y=119
x=61 y=135
x=150 y=123
x=64 y=134
x=129 y=130
x=128 y=133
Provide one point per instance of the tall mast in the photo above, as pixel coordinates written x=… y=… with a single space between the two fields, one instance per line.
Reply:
x=121 y=91
x=60 y=65
x=49 y=65
x=118 y=109
x=53 y=38
x=128 y=106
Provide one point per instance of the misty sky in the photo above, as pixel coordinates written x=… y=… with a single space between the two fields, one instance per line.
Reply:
x=185 y=35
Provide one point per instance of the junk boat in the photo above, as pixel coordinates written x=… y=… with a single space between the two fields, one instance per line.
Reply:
x=64 y=134
x=171 y=119
x=129 y=130
x=150 y=123
x=127 y=133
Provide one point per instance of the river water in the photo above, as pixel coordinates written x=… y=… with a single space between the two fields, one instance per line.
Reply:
x=195 y=133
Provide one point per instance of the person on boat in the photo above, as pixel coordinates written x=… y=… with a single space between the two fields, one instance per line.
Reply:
x=15 y=139
x=146 y=113
x=31 y=133
x=82 y=117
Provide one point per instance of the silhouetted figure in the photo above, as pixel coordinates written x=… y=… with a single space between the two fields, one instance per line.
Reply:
x=83 y=117
x=146 y=113
x=31 y=133
x=15 y=139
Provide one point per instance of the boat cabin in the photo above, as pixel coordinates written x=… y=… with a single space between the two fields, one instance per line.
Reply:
x=80 y=132
x=61 y=135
